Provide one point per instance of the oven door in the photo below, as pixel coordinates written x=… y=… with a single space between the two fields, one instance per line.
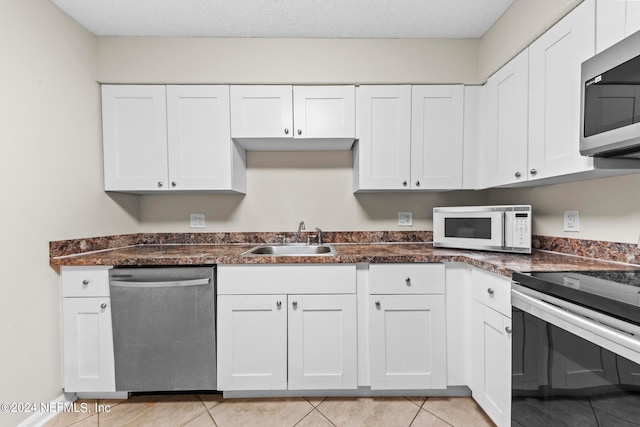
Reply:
x=571 y=366
x=473 y=230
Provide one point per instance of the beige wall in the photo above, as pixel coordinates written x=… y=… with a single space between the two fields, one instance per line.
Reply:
x=51 y=179
x=609 y=207
x=520 y=25
x=286 y=188
x=210 y=60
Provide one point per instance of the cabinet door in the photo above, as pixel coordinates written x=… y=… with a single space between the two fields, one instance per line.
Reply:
x=88 y=345
x=437 y=136
x=554 y=88
x=261 y=111
x=322 y=342
x=383 y=157
x=252 y=342
x=615 y=20
x=407 y=342
x=506 y=97
x=134 y=125
x=200 y=147
x=491 y=366
x=324 y=111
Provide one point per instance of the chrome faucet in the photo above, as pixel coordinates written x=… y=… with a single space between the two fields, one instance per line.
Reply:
x=319 y=236
x=300 y=228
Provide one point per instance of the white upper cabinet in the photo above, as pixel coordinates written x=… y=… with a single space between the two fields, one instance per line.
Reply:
x=615 y=20
x=170 y=138
x=284 y=117
x=437 y=136
x=506 y=115
x=554 y=94
x=382 y=157
x=396 y=153
x=135 y=137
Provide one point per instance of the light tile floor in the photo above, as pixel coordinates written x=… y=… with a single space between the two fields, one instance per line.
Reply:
x=210 y=410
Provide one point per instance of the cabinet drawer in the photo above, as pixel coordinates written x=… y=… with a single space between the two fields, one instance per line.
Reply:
x=406 y=278
x=85 y=281
x=492 y=290
x=286 y=279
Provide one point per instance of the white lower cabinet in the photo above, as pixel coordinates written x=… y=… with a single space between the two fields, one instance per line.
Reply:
x=407 y=330
x=272 y=338
x=491 y=345
x=87 y=343
x=252 y=342
x=407 y=343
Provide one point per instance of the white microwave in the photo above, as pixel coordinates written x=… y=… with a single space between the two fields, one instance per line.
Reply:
x=489 y=228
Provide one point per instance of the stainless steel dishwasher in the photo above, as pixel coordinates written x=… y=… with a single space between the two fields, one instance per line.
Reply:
x=164 y=328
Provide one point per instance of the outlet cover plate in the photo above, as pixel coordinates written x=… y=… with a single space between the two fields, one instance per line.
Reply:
x=405 y=219
x=571 y=220
x=197 y=221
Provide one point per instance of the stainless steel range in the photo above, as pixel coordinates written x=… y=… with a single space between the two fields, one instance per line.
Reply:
x=576 y=349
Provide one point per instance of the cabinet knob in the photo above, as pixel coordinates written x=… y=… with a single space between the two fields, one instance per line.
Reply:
x=417 y=183
x=518 y=174
x=490 y=291
x=286 y=131
x=508 y=330
x=173 y=183
x=299 y=131
x=103 y=305
x=404 y=183
x=533 y=172
x=407 y=280
x=295 y=304
x=377 y=304
x=279 y=304
x=85 y=282
x=159 y=184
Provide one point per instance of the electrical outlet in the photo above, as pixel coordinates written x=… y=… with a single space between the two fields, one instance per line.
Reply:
x=405 y=219
x=197 y=221
x=571 y=220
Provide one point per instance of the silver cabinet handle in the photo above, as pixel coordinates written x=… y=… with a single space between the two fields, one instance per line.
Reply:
x=417 y=183
x=85 y=282
x=294 y=304
x=407 y=280
x=173 y=183
x=159 y=184
x=299 y=131
x=377 y=304
x=508 y=330
x=490 y=291
x=286 y=131
x=518 y=174
x=404 y=183
x=279 y=304
x=103 y=305
x=533 y=172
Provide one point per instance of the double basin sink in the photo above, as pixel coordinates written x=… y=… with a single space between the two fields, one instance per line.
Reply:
x=292 y=250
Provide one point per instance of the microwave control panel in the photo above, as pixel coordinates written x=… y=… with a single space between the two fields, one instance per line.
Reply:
x=521 y=230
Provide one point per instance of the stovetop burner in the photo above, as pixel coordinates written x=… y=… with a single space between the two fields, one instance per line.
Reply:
x=615 y=293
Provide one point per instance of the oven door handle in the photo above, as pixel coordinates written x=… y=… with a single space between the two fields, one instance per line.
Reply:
x=591 y=330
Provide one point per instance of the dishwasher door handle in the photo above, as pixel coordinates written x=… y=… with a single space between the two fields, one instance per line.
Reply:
x=167 y=284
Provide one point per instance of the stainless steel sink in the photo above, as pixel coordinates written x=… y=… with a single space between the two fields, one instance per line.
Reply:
x=292 y=250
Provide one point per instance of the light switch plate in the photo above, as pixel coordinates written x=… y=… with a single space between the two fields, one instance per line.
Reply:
x=571 y=220
x=197 y=221
x=405 y=219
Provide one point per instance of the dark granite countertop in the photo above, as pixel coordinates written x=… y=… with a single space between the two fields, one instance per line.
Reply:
x=405 y=252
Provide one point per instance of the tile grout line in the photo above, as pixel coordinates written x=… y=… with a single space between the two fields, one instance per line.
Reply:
x=208 y=411
x=327 y=418
x=313 y=408
x=431 y=413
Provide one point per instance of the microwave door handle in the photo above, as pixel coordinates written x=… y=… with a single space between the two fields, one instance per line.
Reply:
x=504 y=230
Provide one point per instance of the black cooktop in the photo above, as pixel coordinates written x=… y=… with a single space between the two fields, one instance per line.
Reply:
x=615 y=293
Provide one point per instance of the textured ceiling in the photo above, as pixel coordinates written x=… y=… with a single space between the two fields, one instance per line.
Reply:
x=287 y=18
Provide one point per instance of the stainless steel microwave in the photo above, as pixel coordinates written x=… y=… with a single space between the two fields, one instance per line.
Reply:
x=610 y=116
x=490 y=228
